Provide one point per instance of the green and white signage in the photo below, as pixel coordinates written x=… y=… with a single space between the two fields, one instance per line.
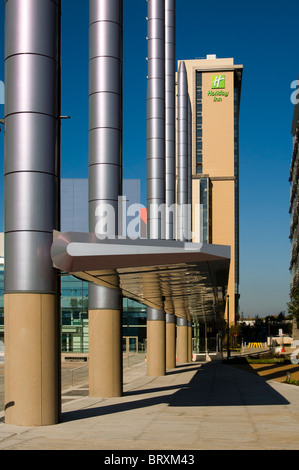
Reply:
x=218 y=81
x=218 y=87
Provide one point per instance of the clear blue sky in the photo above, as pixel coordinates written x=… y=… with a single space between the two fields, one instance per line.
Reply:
x=261 y=35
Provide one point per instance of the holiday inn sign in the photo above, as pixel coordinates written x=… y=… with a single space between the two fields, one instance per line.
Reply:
x=218 y=84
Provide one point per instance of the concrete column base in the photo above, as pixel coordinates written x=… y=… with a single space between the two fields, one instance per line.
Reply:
x=190 y=348
x=32 y=359
x=170 y=342
x=156 y=343
x=105 y=353
x=182 y=341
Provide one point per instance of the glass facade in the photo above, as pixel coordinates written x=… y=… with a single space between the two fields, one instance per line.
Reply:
x=74 y=315
x=74 y=319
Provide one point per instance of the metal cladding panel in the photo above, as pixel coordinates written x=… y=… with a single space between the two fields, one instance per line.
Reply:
x=155 y=315
x=105 y=110
x=28 y=263
x=104 y=39
x=104 y=75
x=36 y=90
x=155 y=130
x=156 y=165
x=110 y=187
x=32 y=143
x=156 y=49
x=31 y=151
x=156 y=10
x=99 y=140
x=105 y=10
x=155 y=148
x=155 y=87
x=103 y=298
x=38 y=190
x=155 y=108
x=33 y=27
x=156 y=191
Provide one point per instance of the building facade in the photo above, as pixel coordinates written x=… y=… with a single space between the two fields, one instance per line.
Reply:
x=214 y=88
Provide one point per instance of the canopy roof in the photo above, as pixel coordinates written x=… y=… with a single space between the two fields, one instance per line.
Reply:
x=186 y=279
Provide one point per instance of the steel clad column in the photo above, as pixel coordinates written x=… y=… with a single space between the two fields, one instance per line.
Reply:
x=156 y=118
x=32 y=181
x=170 y=118
x=189 y=227
x=182 y=188
x=105 y=186
x=155 y=128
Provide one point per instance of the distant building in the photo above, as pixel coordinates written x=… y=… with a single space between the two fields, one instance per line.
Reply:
x=214 y=87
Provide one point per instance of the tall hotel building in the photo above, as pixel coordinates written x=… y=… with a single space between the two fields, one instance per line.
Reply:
x=214 y=88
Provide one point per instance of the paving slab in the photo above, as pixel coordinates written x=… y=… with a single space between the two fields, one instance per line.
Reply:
x=196 y=406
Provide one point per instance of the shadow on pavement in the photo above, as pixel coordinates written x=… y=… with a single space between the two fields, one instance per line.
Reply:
x=214 y=384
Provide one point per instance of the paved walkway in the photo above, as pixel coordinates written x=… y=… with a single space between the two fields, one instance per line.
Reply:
x=195 y=406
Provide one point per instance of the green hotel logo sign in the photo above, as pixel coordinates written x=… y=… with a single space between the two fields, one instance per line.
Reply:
x=218 y=81
x=218 y=87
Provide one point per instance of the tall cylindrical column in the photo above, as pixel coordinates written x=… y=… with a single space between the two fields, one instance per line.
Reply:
x=182 y=186
x=170 y=118
x=155 y=136
x=105 y=187
x=32 y=181
x=156 y=119
x=189 y=223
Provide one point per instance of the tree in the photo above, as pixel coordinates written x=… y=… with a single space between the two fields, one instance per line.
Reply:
x=293 y=305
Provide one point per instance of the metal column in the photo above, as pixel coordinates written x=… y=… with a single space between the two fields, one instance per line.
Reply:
x=189 y=215
x=170 y=118
x=156 y=119
x=32 y=182
x=182 y=187
x=156 y=333
x=105 y=186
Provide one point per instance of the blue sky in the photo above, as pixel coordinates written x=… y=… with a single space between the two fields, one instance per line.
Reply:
x=261 y=35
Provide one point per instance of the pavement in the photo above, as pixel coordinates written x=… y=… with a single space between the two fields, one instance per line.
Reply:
x=196 y=406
